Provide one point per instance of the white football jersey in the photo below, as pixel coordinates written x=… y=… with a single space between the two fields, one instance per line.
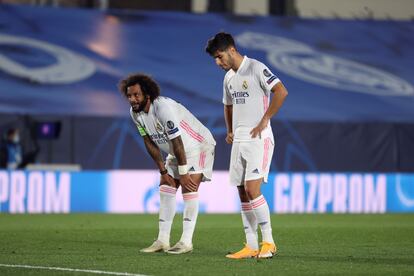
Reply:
x=248 y=91
x=166 y=120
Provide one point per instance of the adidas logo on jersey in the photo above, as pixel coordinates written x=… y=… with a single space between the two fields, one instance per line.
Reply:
x=255 y=171
x=191 y=169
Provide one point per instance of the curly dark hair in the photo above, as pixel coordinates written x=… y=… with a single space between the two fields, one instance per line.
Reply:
x=148 y=86
x=220 y=42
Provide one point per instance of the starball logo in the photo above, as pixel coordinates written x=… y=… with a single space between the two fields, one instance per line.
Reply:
x=303 y=62
x=69 y=67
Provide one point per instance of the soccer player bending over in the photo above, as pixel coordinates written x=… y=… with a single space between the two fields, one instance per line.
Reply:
x=247 y=86
x=168 y=126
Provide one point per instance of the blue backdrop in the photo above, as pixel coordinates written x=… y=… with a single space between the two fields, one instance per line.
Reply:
x=351 y=97
x=68 y=61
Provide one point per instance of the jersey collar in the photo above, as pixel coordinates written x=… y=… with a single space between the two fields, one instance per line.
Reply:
x=150 y=109
x=244 y=61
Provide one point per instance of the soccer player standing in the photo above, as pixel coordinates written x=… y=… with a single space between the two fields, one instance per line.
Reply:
x=247 y=86
x=168 y=126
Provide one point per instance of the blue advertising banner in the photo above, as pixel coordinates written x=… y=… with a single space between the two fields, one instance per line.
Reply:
x=137 y=192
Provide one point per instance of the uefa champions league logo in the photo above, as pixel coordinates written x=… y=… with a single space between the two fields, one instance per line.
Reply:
x=402 y=195
x=69 y=67
x=152 y=199
x=301 y=61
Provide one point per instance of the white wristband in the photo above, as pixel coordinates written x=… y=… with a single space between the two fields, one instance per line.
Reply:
x=182 y=169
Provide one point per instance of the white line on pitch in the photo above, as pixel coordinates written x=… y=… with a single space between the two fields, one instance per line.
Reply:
x=71 y=269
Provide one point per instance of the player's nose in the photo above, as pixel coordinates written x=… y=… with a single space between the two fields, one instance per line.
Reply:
x=133 y=100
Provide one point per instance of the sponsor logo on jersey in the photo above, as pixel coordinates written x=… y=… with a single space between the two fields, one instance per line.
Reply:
x=170 y=124
x=244 y=85
x=239 y=97
x=158 y=138
x=255 y=171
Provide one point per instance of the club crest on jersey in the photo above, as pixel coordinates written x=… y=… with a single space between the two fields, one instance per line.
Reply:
x=170 y=124
x=159 y=127
x=266 y=73
x=244 y=85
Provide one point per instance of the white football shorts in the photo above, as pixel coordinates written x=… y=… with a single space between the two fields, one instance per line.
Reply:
x=250 y=160
x=198 y=161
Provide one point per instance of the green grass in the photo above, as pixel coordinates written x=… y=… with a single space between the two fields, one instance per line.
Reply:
x=308 y=244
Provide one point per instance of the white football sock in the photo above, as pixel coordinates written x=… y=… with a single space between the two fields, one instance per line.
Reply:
x=189 y=217
x=167 y=212
x=261 y=210
x=250 y=225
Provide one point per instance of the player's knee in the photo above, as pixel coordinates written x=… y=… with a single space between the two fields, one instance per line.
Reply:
x=251 y=192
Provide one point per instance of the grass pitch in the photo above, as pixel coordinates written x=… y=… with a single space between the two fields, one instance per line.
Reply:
x=308 y=244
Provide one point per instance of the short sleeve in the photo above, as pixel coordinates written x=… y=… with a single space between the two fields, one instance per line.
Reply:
x=226 y=93
x=266 y=78
x=166 y=114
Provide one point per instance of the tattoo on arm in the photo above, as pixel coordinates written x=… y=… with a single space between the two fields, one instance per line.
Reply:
x=179 y=150
x=154 y=152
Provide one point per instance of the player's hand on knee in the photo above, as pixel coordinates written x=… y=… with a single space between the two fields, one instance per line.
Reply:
x=187 y=182
x=229 y=138
x=166 y=179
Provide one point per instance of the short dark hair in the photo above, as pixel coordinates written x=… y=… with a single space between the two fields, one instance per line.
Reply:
x=148 y=86
x=220 y=42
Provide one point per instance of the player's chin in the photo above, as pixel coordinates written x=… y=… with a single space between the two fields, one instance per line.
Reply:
x=135 y=108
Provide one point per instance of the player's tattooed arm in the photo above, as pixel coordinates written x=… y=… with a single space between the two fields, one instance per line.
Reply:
x=154 y=152
x=179 y=151
x=185 y=180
